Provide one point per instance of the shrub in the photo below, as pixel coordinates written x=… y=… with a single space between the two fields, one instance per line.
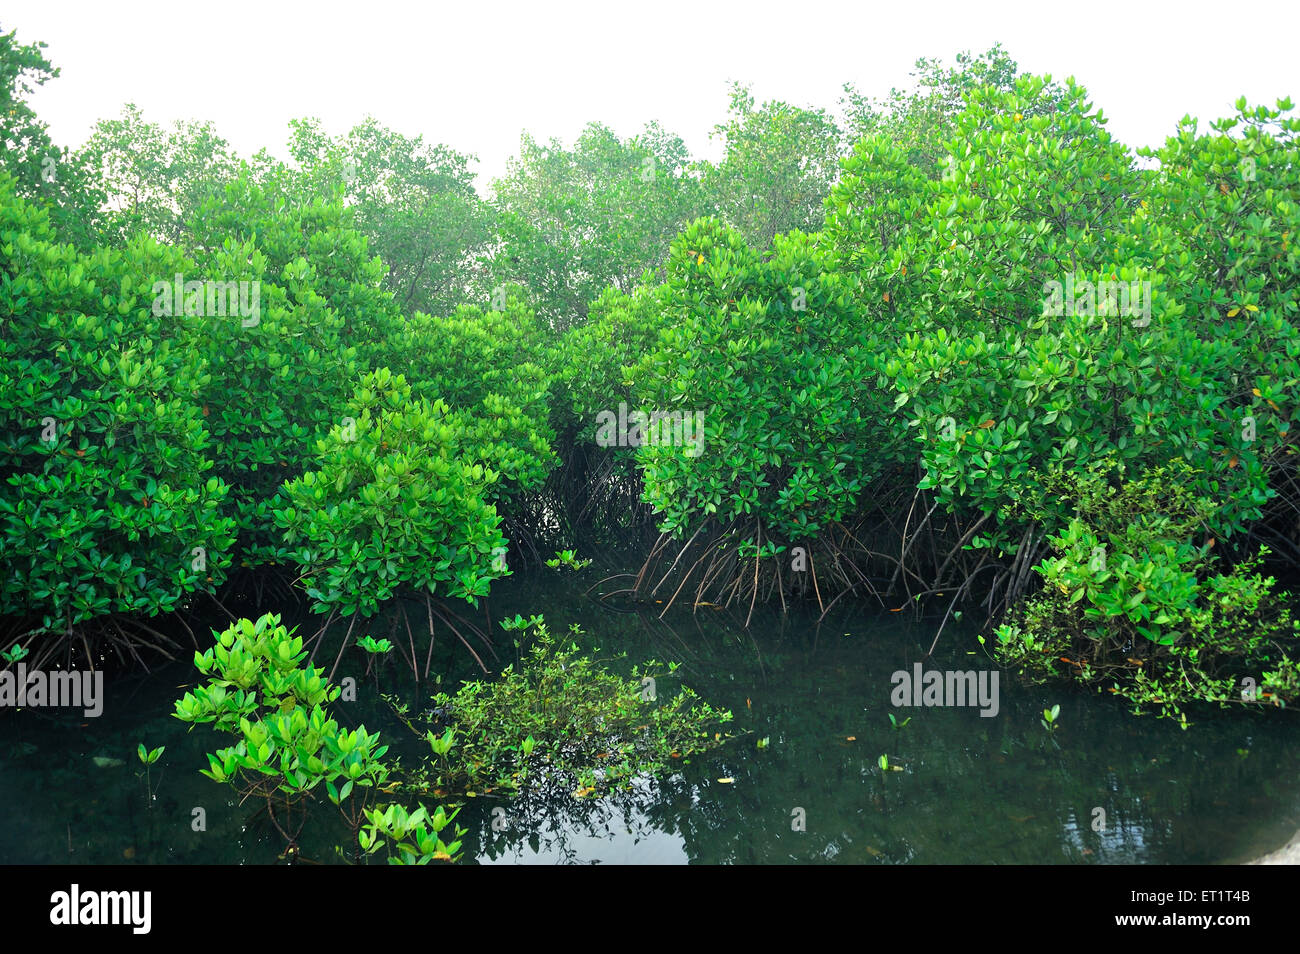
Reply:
x=488 y=367
x=395 y=509
x=1129 y=597
x=771 y=354
x=105 y=510
x=280 y=383
x=288 y=745
x=562 y=721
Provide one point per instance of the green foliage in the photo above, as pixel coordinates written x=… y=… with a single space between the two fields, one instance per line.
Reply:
x=593 y=366
x=920 y=120
x=771 y=354
x=1024 y=199
x=996 y=413
x=278 y=384
x=488 y=367
x=939 y=316
x=1221 y=219
x=596 y=357
x=1129 y=599
x=395 y=507
x=24 y=140
x=147 y=759
x=1221 y=215
x=14 y=654
x=415 y=203
x=414 y=837
x=572 y=222
x=288 y=746
x=779 y=164
x=154 y=180
x=1048 y=721
x=372 y=645
x=1008 y=392
x=1002 y=383
x=42 y=172
x=562 y=720
x=567 y=558
x=105 y=506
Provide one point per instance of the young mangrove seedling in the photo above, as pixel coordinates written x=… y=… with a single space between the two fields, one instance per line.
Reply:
x=373 y=647
x=887 y=766
x=1048 y=721
x=567 y=558
x=147 y=759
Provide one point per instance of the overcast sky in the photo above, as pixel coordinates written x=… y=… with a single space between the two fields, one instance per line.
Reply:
x=475 y=74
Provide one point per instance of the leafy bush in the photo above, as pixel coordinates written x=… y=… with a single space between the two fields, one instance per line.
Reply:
x=105 y=509
x=1130 y=599
x=563 y=721
x=288 y=745
x=956 y=261
x=1001 y=383
x=1220 y=219
x=394 y=509
x=488 y=366
x=596 y=358
x=279 y=383
x=771 y=355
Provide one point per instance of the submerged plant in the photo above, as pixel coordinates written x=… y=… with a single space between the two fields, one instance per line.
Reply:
x=560 y=719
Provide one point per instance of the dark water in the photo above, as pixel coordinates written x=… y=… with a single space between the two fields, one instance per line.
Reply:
x=973 y=789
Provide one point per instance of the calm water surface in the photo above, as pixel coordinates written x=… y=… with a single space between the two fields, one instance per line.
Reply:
x=974 y=789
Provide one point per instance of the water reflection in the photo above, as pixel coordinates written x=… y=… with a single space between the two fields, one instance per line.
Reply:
x=971 y=789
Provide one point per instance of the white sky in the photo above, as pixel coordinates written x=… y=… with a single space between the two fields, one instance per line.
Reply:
x=474 y=74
